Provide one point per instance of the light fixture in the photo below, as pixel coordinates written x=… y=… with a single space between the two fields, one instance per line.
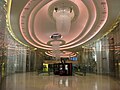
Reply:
x=56 y=49
x=64 y=13
x=63 y=17
x=56 y=36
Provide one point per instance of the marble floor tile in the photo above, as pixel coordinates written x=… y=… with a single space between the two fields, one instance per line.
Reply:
x=32 y=81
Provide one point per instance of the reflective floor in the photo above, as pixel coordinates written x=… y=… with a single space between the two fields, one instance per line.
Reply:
x=32 y=81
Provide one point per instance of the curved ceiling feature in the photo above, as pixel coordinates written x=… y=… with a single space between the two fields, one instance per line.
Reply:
x=66 y=54
x=37 y=23
x=37 y=26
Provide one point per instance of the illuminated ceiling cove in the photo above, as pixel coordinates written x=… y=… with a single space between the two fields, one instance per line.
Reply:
x=37 y=21
x=69 y=22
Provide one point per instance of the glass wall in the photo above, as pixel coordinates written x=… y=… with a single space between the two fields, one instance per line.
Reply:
x=114 y=49
x=87 y=59
x=2 y=44
x=16 y=55
x=102 y=55
x=105 y=52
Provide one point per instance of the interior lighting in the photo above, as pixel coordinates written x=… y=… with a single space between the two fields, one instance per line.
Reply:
x=63 y=17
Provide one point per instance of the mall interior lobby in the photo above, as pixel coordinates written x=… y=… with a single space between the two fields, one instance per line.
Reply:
x=59 y=44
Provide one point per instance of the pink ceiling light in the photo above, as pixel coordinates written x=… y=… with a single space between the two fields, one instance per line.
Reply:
x=98 y=27
x=89 y=27
x=36 y=25
x=22 y=15
x=62 y=54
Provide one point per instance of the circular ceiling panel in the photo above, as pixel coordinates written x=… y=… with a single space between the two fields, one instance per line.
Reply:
x=37 y=23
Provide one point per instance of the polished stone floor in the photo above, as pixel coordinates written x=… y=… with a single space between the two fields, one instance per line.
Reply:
x=32 y=81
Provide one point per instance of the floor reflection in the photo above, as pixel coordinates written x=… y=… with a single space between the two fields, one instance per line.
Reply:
x=32 y=81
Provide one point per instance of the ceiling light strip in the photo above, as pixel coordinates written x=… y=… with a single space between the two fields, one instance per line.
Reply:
x=30 y=27
x=106 y=6
x=92 y=23
x=9 y=24
x=22 y=31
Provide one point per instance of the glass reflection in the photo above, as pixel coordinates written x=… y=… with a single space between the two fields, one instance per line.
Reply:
x=32 y=81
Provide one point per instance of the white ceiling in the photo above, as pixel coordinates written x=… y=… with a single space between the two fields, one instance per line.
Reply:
x=31 y=22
